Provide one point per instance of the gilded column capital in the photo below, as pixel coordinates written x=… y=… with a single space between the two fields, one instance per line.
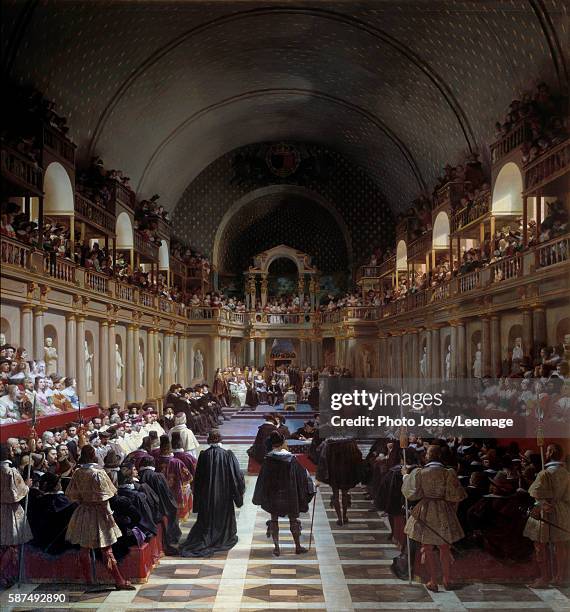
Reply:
x=26 y=307
x=70 y=316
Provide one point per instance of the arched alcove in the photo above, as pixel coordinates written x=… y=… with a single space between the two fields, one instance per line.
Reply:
x=441 y=231
x=401 y=256
x=119 y=363
x=163 y=256
x=124 y=231
x=507 y=192
x=6 y=331
x=58 y=199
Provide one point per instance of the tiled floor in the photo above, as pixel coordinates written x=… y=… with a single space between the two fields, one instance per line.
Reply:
x=348 y=568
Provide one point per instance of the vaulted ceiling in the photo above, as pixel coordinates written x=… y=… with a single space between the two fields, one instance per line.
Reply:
x=161 y=89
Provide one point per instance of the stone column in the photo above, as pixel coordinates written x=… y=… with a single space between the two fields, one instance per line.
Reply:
x=495 y=346
x=112 y=363
x=70 y=342
x=527 y=332
x=261 y=352
x=182 y=361
x=461 y=357
x=454 y=355
x=485 y=346
x=80 y=358
x=435 y=353
x=138 y=384
x=39 y=332
x=429 y=346
x=229 y=348
x=263 y=290
x=151 y=370
x=216 y=353
x=415 y=370
x=167 y=362
x=27 y=328
x=130 y=366
x=539 y=328
x=251 y=351
x=104 y=363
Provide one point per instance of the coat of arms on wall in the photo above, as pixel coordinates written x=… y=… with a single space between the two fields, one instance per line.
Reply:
x=282 y=159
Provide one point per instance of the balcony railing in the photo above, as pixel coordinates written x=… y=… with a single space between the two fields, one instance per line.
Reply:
x=288 y=318
x=420 y=246
x=469 y=282
x=550 y=165
x=369 y=271
x=121 y=194
x=147 y=299
x=233 y=317
x=441 y=292
x=125 y=292
x=505 y=269
x=416 y=300
x=198 y=313
x=144 y=247
x=199 y=272
x=451 y=193
x=177 y=266
x=553 y=252
x=331 y=316
x=18 y=168
x=14 y=253
x=97 y=281
x=518 y=134
x=388 y=266
x=473 y=211
x=363 y=313
x=59 y=268
x=59 y=144
x=95 y=214
x=165 y=305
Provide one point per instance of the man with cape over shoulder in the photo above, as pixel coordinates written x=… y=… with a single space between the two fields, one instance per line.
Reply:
x=283 y=488
x=218 y=485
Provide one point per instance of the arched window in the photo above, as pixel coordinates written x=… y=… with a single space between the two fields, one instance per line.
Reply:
x=507 y=192
x=58 y=190
x=441 y=231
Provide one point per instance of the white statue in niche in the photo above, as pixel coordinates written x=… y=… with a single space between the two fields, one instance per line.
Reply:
x=88 y=367
x=198 y=365
x=50 y=357
x=424 y=363
x=2 y=339
x=518 y=355
x=477 y=364
x=141 y=366
x=448 y=363
x=119 y=367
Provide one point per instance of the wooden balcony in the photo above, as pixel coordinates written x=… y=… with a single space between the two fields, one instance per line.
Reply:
x=19 y=170
x=513 y=139
x=147 y=299
x=145 y=248
x=387 y=267
x=177 y=266
x=122 y=195
x=418 y=248
x=124 y=291
x=363 y=313
x=163 y=228
x=331 y=316
x=58 y=144
x=553 y=252
x=369 y=271
x=551 y=165
x=450 y=194
x=441 y=292
x=199 y=272
x=419 y=299
x=95 y=214
x=472 y=213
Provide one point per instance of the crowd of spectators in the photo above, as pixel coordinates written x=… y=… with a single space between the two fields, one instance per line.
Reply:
x=190 y=256
x=25 y=386
x=546 y=116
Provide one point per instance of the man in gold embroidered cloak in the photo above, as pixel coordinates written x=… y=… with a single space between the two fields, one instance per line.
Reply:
x=433 y=521
x=549 y=521
x=92 y=524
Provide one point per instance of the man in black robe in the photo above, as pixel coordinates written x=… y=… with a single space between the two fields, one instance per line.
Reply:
x=168 y=506
x=49 y=514
x=218 y=485
x=259 y=448
x=283 y=488
x=127 y=488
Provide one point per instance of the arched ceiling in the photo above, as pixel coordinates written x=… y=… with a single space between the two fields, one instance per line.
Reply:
x=286 y=218
x=163 y=88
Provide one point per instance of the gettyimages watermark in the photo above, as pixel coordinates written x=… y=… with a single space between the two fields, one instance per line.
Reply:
x=472 y=408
